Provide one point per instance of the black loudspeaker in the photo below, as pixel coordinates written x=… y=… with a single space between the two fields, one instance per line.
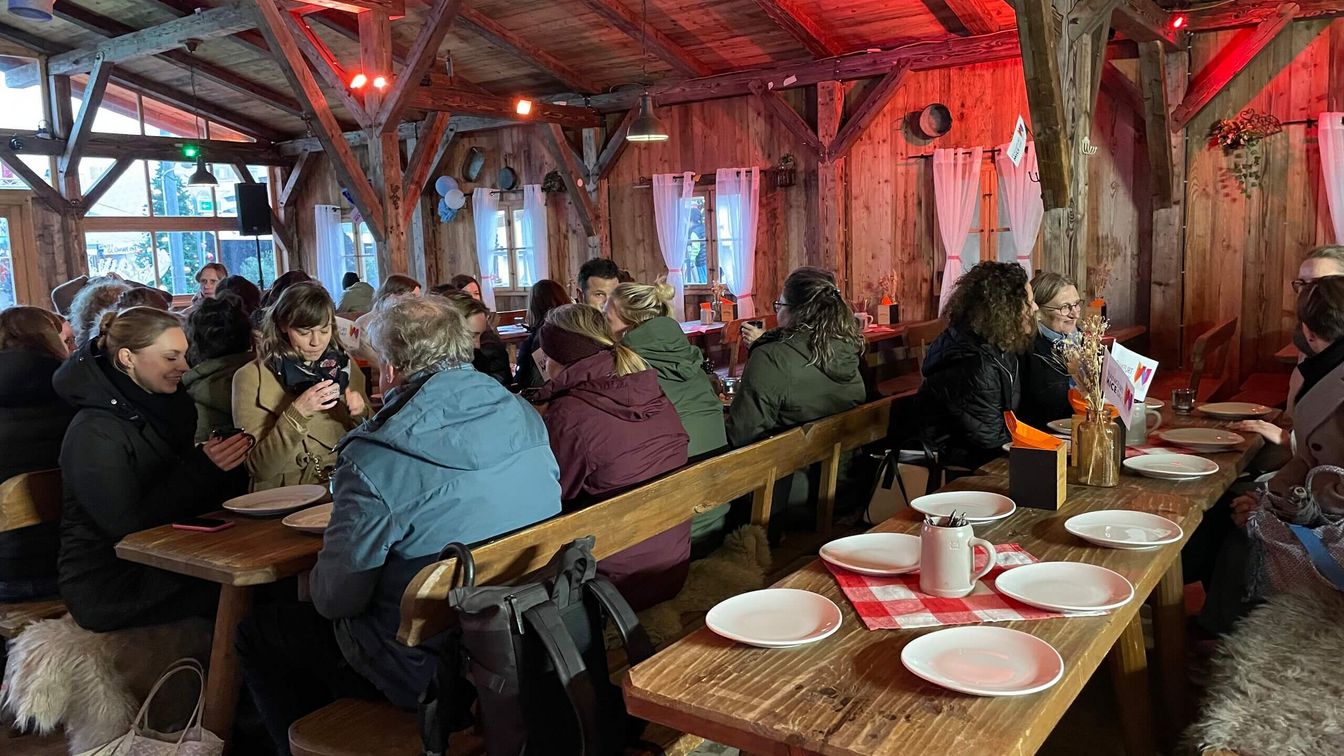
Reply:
x=254 y=209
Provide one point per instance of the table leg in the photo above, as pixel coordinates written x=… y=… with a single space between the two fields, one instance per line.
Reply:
x=1128 y=661
x=830 y=479
x=221 y=690
x=1168 y=604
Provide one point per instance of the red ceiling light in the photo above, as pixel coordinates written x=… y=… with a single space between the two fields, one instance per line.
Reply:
x=380 y=82
x=1178 y=21
x=358 y=81
x=523 y=107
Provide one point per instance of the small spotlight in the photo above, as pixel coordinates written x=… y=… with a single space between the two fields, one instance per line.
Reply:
x=523 y=107
x=358 y=81
x=380 y=82
x=15 y=144
x=1178 y=22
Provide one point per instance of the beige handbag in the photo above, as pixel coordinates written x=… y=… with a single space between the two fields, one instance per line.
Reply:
x=194 y=740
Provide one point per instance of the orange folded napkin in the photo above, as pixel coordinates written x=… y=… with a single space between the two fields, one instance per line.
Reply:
x=1027 y=437
x=1079 y=404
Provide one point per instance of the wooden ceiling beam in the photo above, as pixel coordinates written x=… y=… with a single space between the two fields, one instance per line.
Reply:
x=248 y=37
x=1245 y=13
x=461 y=101
x=44 y=191
x=615 y=147
x=964 y=17
x=88 y=110
x=495 y=33
x=216 y=22
x=328 y=67
x=1145 y=21
x=873 y=104
x=1121 y=87
x=788 y=16
x=422 y=54
x=430 y=146
x=295 y=179
x=1041 y=68
x=787 y=116
x=393 y=8
x=660 y=44
x=1088 y=15
x=343 y=161
x=1229 y=62
x=573 y=173
x=104 y=182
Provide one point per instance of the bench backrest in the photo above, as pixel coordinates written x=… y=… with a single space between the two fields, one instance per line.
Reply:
x=732 y=339
x=1210 y=351
x=637 y=515
x=30 y=499
x=918 y=337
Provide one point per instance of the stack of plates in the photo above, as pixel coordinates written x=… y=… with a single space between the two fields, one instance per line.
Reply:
x=775 y=618
x=1171 y=466
x=1235 y=410
x=1124 y=529
x=276 y=501
x=1202 y=439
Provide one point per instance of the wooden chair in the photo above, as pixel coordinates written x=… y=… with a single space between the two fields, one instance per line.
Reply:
x=346 y=727
x=918 y=337
x=1210 y=350
x=732 y=340
x=29 y=499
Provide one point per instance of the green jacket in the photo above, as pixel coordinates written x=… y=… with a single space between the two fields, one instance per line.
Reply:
x=781 y=388
x=210 y=385
x=662 y=344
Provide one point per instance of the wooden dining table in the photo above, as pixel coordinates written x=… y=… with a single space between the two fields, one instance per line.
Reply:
x=254 y=551
x=849 y=694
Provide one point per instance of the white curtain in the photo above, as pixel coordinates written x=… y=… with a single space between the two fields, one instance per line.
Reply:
x=1022 y=199
x=673 y=220
x=535 y=236
x=484 y=205
x=330 y=248
x=1332 y=168
x=956 y=189
x=737 y=192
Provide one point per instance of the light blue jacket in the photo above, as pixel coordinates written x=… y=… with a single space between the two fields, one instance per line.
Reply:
x=451 y=457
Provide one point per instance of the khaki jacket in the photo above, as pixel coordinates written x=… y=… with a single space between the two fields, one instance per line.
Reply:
x=291 y=449
x=1318 y=439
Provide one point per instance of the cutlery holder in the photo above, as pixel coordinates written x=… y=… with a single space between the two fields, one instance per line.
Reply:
x=1038 y=478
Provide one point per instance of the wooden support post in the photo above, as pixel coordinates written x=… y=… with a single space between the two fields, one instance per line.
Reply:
x=614 y=148
x=1145 y=21
x=1128 y=662
x=430 y=145
x=384 y=147
x=788 y=117
x=1168 y=604
x=94 y=90
x=867 y=112
x=599 y=245
x=432 y=31
x=1167 y=289
x=74 y=258
x=1039 y=39
x=830 y=244
x=1153 y=77
x=45 y=193
x=295 y=179
x=328 y=67
x=571 y=170
x=1228 y=63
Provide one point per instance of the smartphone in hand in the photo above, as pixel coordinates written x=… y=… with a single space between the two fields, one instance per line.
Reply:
x=223 y=433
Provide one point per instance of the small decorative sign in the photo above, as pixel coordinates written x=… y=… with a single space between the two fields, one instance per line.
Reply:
x=1017 y=146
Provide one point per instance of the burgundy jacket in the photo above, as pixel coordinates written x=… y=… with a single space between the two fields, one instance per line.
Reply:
x=609 y=434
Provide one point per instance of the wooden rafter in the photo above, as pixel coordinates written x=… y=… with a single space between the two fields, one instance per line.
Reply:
x=972 y=16
x=343 y=160
x=393 y=8
x=249 y=37
x=88 y=109
x=499 y=36
x=104 y=183
x=660 y=44
x=216 y=22
x=44 y=191
x=788 y=16
x=572 y=171
x=1153 y=80
x=1122 y=89
x=423 y=52
x=430 y=146
x=459 y=101
x=1229 y=62
x=615 y=147
x=150 y=148
x=1088 y=15
x=328 y=67
x=788 y=117
x=295 y=179
x=873 y=104
x=1252 y=12
x=99 y=24
x=1144 y=21
x=1040 y=67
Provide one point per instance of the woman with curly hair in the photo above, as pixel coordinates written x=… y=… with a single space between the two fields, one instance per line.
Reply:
x=971 y=371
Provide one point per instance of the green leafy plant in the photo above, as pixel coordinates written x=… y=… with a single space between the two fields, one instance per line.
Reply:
x=1240 y=137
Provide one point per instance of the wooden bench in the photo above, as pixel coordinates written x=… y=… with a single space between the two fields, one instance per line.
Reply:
x=622 y=521
x=29 y=499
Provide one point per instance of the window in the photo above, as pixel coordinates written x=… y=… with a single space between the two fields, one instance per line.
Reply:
x=9 y=295
x=990 y=238
x=708 y=238
x=361 y=252
x=512 y=260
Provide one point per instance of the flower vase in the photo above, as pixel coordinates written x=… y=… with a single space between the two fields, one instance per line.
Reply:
x=1097 y=442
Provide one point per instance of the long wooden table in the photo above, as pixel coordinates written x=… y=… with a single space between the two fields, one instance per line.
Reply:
x=849 y=694
x=255 y=551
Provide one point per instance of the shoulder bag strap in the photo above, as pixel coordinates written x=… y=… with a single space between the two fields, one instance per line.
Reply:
x=1320 y=557
x=544 y=620
x=638 y=647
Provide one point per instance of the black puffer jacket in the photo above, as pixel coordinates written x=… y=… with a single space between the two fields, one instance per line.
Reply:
x=968 y=385
x=1045 y=385
x=121 y=476
x=32 y=423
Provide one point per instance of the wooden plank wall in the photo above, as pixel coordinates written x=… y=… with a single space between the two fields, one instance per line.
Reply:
x=1241 y=253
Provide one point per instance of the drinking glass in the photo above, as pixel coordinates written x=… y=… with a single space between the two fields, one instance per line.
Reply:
x=1183 y=401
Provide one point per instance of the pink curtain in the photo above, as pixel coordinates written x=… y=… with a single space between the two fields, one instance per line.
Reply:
x=1332 y=168
x=956 y=189
x=1022 y=198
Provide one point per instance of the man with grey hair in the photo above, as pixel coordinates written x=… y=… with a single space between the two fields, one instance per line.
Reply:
x=452 y=456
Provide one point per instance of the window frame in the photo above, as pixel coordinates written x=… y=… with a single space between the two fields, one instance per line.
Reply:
x=17 y=208
x=713 y=269
x=509 y=206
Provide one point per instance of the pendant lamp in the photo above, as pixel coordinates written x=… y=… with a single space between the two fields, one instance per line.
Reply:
x=202 y=176
x=647 y=127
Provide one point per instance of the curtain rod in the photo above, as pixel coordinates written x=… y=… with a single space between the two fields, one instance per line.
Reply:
x=701 y=179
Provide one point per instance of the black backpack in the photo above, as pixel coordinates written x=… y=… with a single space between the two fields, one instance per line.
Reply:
x=533 y=659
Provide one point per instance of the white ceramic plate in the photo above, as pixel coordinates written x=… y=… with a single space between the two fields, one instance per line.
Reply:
x=1171 y=466
x=1234 y=410
x=977 y=506
x=276 y=500
x=1152 y=403
x=311 y=520
x=775 y=618
x=1124 y=529
x=1201 y=439
x=984 y=660
x=874 y=553
x=1061 y=427
x=1066 y=586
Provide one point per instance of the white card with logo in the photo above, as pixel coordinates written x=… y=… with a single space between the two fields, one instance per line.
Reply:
x=1138 y=368
x=1017 y=146
x=1116 y=388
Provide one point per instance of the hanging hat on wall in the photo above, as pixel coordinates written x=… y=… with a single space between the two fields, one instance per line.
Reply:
x=472 y=165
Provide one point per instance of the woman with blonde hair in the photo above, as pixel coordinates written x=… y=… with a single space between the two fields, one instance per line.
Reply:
x=300 y=396
x=612 y=428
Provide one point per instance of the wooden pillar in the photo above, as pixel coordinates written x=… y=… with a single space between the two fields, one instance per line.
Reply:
x=1168 y=242
x=384 y=156
x=73 y=261
x=830 y=247
x=593 y=140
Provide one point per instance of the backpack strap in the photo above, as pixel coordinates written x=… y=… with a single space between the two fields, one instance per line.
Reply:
x=1320 y=557
x=638 y=647
x=544 y=619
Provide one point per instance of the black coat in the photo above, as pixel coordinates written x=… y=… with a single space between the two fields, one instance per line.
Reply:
x=492 y=358
x=32 y=423
x=529 y=375
x=1045 y=385
x=968 y=385
x=122 y=476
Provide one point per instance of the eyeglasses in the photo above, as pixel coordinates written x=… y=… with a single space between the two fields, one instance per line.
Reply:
x=1067 y=307
x=1301 y=283
x=779 y=306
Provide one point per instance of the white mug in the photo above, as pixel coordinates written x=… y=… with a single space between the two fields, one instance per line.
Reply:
x=947 y=560
x=1142 y=422
x=864 y=319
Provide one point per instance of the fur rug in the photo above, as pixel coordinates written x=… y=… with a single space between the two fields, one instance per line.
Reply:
x=61 y=675
x=1275 y=686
